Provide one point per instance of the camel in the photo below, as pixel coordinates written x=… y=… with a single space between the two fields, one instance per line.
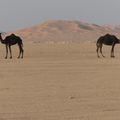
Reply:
x=12 y=40
x=107 y=39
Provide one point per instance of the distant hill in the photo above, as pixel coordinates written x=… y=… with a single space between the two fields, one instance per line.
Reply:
x=63 y=31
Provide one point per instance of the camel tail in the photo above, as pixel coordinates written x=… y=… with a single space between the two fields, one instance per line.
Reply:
x=22 y=44
x=97 y=43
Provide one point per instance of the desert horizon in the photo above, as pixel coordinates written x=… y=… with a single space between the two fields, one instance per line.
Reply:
x=60 y=78
x=59 y=60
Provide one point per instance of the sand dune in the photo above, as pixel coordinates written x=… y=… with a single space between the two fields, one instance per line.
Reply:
x=63 y=31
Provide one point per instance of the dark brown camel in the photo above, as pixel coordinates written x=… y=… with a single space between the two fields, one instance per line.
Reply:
x=12 y=40
x=107 y=40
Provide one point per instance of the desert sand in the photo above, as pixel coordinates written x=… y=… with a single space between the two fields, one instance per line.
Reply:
x=60 y=82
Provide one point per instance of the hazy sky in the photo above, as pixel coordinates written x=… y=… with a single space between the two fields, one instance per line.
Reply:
x=17 y=14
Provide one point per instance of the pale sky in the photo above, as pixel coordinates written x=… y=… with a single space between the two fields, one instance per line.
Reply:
x=18 y=14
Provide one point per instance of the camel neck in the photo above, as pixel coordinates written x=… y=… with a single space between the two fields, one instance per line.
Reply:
x=1 y=39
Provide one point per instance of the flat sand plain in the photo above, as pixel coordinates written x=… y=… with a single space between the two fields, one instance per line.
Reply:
x=60 y=82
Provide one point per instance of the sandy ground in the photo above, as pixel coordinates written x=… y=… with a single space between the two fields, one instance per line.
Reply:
x=60 y=82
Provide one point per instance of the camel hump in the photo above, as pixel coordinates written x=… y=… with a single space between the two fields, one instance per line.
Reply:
x=12 y=34
x=110 y=36
x=107 y=34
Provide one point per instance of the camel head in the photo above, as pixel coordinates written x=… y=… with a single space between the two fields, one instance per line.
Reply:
x=0 y=35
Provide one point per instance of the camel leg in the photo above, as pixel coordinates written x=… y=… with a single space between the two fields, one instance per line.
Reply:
x=6 y=52
x=20 y=51
x=101 y=50
x=112 y=50
x=10 y=52
x=98 y=51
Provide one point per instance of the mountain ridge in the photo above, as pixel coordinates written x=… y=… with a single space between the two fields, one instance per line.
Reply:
x=66 y=31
